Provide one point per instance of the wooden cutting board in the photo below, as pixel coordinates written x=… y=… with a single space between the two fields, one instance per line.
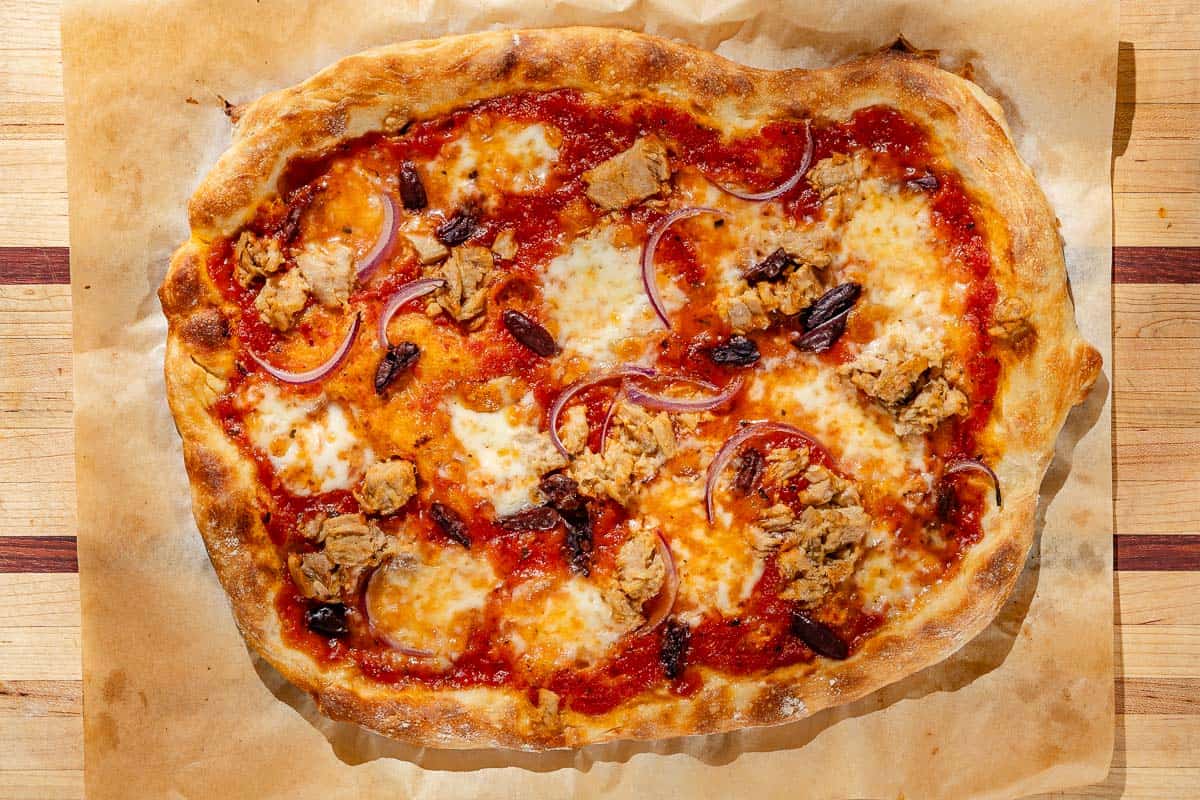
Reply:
x=1156 y=412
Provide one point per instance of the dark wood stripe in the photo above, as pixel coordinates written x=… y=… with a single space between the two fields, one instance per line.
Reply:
x=34 y=265
x=1130 y=265
x=38 y=554
x=1158 y=696
x=1156 y=265
x=1157 y=552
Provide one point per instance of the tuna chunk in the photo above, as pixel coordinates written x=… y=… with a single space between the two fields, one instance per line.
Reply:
x=281 y=299
x=639 y=443
x=629 y=177
x=755 y=307
x=467 y=273
x=255 y=258
x=905 y=371
x=640 y=568
x=387 y=486
x=329 y=270
x=351 y=546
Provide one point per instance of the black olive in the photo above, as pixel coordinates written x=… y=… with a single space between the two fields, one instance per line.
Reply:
x=923 y=183
x=327 y=620
x=818 y=340
x=819 y=637
x=538 y=518
x=562 y=491
x=749 y=470
x=675 y=640
x=529 y=333
x=769 y=268
x=412 y=191
x=738 y=351
x=458 y=228
x=578 y=543
x=834 y=303
x=450 y=523
x=395 y=361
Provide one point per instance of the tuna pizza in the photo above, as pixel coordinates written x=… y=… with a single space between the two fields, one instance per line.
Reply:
x=552 y=387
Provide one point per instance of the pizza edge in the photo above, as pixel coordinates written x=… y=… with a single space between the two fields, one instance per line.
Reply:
x=358 y=95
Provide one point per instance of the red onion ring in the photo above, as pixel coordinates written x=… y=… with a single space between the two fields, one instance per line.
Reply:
x=786 y=186
x=385 y=240
x=666 y=403
x=624 y=371
x=407 y=292
x=316 y=373
x=662 y=603
x=371 y=598
x=656 y=232
x=730 y=447
x=608 y=418
x=975 y=465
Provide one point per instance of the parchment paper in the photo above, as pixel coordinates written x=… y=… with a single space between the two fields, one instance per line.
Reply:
x=174 y=704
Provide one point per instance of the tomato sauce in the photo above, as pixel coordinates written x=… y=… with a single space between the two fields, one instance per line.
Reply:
x=760 y=637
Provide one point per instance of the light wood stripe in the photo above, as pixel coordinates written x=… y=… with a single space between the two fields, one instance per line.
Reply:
x=39 y=654
x=39 y=600
x=1160 y=25
x=54 y=784
x=1158 y=76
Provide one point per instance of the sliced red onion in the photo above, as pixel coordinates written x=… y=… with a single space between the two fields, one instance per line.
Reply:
x=624 y=371
x=385 y=240
x=316 y=373
x=649 y=283
x=608 y=418
x=730 y=447
x=975 y=465
x=664 y=402
x=661 y=604
x=373 y=597
x=786 y=186
x=406 y=293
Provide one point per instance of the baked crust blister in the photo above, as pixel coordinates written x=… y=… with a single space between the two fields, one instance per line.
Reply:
x=382 y=90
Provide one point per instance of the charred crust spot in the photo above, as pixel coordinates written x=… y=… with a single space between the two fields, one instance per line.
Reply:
x=207 y=469
x=207 y=329
x=508 y=63
x=999 y=568
x=184 y=286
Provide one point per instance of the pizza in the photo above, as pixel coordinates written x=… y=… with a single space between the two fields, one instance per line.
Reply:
x=550 y=387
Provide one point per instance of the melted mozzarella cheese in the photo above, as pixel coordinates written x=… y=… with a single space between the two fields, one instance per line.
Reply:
x=595 y=297
x=431 y=601
x=888 y=246
x=889 y=582
x=313 y=446
x=568 y=624
x=507 y=453
x=815 y=399
x=503 y=157
x=717 y=567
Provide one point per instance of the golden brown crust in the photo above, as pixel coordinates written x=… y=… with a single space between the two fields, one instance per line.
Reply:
x=384 y=88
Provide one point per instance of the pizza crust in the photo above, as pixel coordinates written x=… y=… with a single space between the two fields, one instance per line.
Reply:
x=381 y=90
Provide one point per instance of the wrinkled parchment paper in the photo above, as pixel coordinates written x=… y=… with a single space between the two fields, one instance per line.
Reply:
x=175 y=706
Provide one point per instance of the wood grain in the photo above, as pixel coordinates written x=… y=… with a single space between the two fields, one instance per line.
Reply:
x=51 y=265
x=1156 y=219
x=1157 y=552
x=34 y=265
x=1155 y=381
x=1158 y=696
x=38 y=554
x=1160 y=25
x=1156 y=264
